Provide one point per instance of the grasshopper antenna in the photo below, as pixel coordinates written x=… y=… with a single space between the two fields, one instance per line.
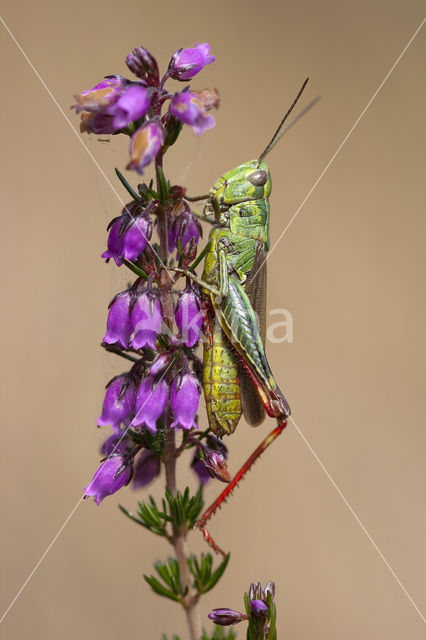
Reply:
x=274 y=138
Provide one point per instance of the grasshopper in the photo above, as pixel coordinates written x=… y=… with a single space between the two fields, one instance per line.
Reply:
x=237 y=378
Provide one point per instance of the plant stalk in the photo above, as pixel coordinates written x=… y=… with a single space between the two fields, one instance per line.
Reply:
x=190 y=602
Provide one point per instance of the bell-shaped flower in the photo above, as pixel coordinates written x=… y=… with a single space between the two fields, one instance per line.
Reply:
x=112 y=105
x=186 y=63
x=114 y=473
x=119 y=402
x=184 y=400
x=136 y=236
x=129 y=234
x=147 y=468
x=118 y=442
x=185 y=226
x=119 y=327
x=189 y=109
x=160 y=362
x=188 y=315
x=146 y=317
x=115 y=241
x=102 y=95
x=150 y=403
x=145 y=144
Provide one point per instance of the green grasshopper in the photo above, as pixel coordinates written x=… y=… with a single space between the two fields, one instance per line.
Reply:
x=237 y=378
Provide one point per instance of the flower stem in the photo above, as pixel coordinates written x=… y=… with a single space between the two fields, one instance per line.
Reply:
x=190 y=601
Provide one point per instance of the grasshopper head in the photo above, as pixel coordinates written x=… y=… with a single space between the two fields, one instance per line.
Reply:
x=249 y=181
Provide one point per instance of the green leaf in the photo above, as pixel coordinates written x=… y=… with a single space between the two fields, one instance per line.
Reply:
x=160 y=589
x=162 y=185
x=134 y=267
x=132 y=517
x=216 y=575
x=126 y=185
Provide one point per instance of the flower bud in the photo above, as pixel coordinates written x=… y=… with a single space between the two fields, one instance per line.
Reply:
x=145 y=144
x=143 y=65
x=150 y=403
x=258 y=609
x=119 y=402
x=212 y=464
x=145 y=317
x=215 y=463
x=147 y=468
x=186 y=63
x=184 y=400
x=226 y=617
x=188 y=315
x=119 y=327
x=114 y=473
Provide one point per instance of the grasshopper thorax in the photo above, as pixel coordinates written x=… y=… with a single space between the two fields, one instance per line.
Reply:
x=250 y=181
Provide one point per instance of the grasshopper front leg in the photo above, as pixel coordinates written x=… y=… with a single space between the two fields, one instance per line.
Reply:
x=217 y=294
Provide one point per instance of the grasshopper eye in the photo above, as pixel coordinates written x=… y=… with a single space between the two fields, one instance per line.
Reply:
x=258 y=178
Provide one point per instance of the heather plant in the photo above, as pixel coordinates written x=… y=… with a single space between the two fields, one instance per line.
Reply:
x=150 y=410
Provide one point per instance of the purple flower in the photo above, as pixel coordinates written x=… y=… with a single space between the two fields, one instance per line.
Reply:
x=119 y=403
x=200 y=469
x=158 y=365
x=136 y=236
x=119 y=327
x=147 y=468
x=113 y=474
x=186 y=63
x=115 y=242
x=129 y=234
x=145 y=144
x=187 y=108
x=150 y=403
x=184 y=400
x=145 y=316
x=102 y=95
x=130 y=106
x=226 y=617
x=112 y=105
x=188 y=316
x=258 y=608
x=213 y=462
x=186 y=227
x=116 y=443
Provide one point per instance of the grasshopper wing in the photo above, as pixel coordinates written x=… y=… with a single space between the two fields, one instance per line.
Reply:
x=238 y=321
x=255 y=289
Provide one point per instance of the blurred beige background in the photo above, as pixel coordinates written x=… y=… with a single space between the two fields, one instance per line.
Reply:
x=350 y=269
